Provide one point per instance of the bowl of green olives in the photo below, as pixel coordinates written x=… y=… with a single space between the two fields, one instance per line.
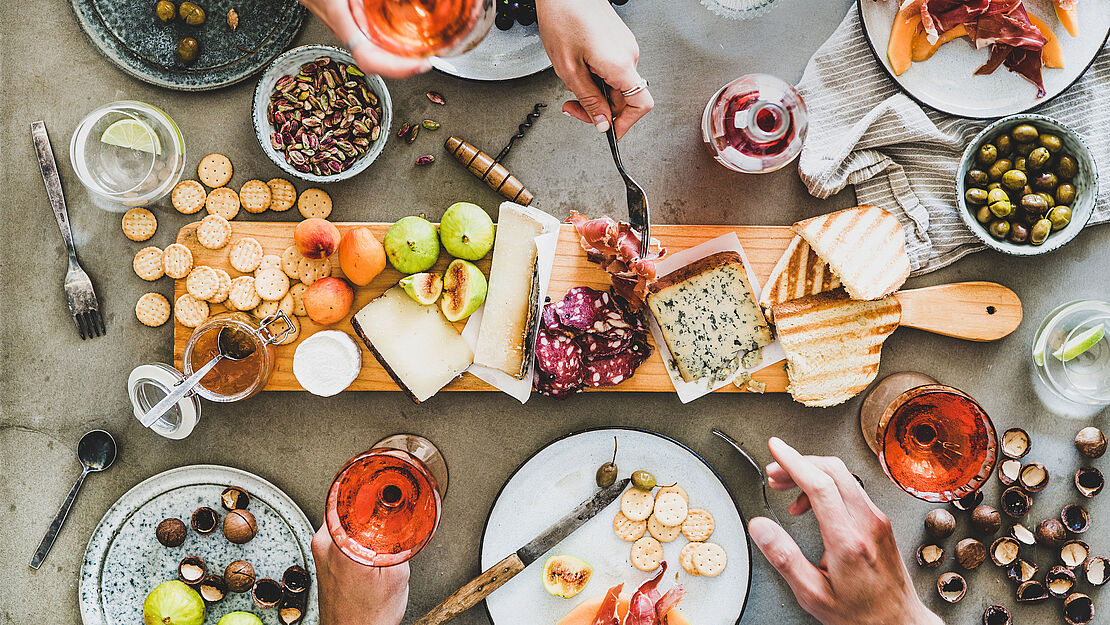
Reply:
x=1026 y=185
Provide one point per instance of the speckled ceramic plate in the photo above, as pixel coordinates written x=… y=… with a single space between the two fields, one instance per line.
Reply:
x=130 y=35
x=124 y=561
x=560 y=476
x=502 y=55
x=947 y=82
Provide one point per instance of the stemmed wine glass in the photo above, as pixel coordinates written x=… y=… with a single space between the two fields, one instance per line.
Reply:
x=424 y=28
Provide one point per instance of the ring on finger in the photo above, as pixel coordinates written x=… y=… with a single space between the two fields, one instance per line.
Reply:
x=641 y=85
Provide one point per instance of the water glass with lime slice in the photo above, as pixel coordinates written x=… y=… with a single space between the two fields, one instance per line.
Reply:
x=1071 y=352
x=126 y=154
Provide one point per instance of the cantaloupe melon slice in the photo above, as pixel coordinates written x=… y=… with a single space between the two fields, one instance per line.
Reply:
x=923 y=50
x=900 y=48
x=1069 y=18
x=1053 y=53
x=584 y=613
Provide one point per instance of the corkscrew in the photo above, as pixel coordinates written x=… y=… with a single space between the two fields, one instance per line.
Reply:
x=489 y=168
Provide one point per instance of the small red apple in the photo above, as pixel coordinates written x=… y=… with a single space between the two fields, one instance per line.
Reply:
x=328 y=301
x=316 y=238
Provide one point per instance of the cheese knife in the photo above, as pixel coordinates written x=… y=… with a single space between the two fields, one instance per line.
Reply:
x=499 y=574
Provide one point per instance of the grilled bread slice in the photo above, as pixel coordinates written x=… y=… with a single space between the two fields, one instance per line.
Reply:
x=798 y=273
x=865 y=246
x=833 y=343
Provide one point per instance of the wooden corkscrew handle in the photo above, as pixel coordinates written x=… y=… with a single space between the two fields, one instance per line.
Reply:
x=486 y=168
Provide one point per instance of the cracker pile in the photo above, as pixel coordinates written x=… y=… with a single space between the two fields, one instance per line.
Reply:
x=665 y=516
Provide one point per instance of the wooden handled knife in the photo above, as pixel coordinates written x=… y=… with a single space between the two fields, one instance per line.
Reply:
x=496 y=576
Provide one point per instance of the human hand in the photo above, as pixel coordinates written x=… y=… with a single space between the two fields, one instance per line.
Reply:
x=336 y=15
x=861 y=579
x=354 y=594
x=587 y=36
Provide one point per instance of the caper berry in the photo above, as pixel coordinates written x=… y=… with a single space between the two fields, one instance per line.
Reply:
x=1004 y=145
x=1025 y=133
x=984 y=215
x=1065 y=193
x=1020 y=163
x=975 y=196
x=1067 y=168
x=165 y=10
x=607 y=473
x=999 y=228
x=1014 y=180
x=1019 y=232
x=999 y=167
x=191 y=13
x=1002 y=209
x=187 y=50
x=1034 y=202
x=1060 y=217
x=1038 y=234
x=977 y=178
x=1052 y=143
x=987 y=155
x=1045 y=181
x=643 y=480
x=1038 y=159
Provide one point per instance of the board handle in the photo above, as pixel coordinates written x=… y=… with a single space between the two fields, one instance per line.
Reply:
x=486 y=168
x=975 y=311
x=476 y=590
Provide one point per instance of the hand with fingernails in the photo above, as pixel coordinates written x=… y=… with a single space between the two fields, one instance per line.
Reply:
x=584 y=37
x=336 y=15
x=860 y=579
x=355 y=594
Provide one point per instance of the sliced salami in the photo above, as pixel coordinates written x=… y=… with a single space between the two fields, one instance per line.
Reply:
x=560 y=357
x=613 y=370
x=582 y=308
x=596 y=346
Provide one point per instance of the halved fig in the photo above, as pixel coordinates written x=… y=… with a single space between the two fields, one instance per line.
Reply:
x=1059 y=580
x=1097 y=570
x=930 y=556
x=1079 y=609
x=1089 y=481
x=951 y=587
x=424 y=288
x=566 y=576
x=1015 y=443
x=1008 y=471
x=1033 y=477
x=464 y=290
x=1005 y=551
x=1031 y=592
x=1074 y=553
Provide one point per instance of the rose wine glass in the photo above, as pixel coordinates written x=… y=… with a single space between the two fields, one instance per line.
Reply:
x=385 y=503
x=424 y=28
x=937 y=443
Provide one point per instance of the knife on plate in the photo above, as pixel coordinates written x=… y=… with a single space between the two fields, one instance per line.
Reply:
x=499 y=574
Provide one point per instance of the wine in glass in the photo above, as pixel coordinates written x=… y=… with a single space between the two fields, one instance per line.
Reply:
x=385 y=504
x=424 y=28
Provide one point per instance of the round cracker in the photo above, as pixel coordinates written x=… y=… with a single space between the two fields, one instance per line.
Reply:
x=203 y=282
x=190 y=311
x=659 y=531
x=269 y=261
x=283 y=195
x=188 y=197
x=698 y=525
x=148 y=263
x=637 y=504
x=271 y=284
x=139 y=224
x=254 y=195
x=223 y=202
x=152 y=309
x=214 y=170
x=279 y=326
x=291 y=262
x=671 y=509
x=245 y=255
x=628 y=530
x=243 y=296
x=646 y=554
x=314 y=203
x=225 y=287
x=686 y=558
x=214 y=232
x=297 y=293
x=310 y=271
x=710 y=559
x=674 y=488
x=177 y=261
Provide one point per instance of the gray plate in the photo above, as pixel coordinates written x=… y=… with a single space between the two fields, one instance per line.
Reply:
x=124 y=561
x=129 y=35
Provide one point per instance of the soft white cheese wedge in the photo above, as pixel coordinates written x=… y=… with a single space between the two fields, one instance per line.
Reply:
x=327 y=362
x=416 y=345
x=512 y=299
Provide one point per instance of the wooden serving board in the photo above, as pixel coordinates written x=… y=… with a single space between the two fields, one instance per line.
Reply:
x=763 y=245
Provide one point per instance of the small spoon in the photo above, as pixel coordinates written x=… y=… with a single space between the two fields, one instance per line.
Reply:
x=96 y=451
x=755 y=465
x=229 y=345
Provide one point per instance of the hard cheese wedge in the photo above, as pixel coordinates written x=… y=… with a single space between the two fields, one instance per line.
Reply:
x=416 y=344
x=512 y=301
x=708 y=316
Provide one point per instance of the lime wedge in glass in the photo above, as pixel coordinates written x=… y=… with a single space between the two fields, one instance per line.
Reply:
x=1039 y=348
x=1079 y=344
x=132 y=134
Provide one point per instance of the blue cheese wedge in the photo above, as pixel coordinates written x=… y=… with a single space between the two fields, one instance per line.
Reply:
x=709 y=317
x=416 y=345
x=512 y=300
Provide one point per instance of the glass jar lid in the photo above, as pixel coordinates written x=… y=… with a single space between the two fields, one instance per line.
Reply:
x=149 y=384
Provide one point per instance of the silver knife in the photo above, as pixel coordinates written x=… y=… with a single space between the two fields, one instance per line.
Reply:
x=496 y=576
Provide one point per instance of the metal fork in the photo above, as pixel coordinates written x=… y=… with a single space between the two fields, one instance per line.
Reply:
x=639 y=215
x=80 y=295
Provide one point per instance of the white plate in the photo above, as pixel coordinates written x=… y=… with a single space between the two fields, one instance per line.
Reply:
x=560 y=476
x=947 y=82
x=124 y=561
x=502 y=55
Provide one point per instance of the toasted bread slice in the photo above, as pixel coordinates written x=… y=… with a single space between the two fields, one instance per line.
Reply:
x=798 y=273
x=833 y=343
x=865 y=246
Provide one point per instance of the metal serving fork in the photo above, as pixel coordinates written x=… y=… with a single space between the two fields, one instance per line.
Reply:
x=639 y=215
x=79 y=289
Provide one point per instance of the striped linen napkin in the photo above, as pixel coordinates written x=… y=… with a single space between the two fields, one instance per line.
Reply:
x=902 y=156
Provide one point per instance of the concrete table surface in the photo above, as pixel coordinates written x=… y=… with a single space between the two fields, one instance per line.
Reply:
x=54 y=387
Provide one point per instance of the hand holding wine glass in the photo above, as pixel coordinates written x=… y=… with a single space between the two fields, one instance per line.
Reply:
x=336 y=14
x=861 y=579
x=354 y=594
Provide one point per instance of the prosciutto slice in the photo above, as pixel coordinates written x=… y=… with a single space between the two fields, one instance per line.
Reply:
x=607 y=613
x=650 y=607
x=938 y=16
x=616 y=247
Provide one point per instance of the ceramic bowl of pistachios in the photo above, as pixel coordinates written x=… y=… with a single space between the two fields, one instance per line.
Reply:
x=318 y=116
